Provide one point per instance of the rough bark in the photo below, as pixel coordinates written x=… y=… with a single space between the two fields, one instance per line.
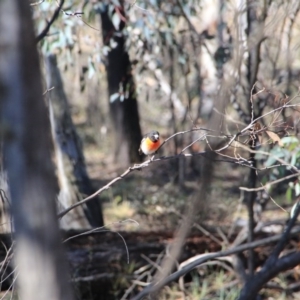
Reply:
x=42 y=272
x=124 y=112
x=74 y=180
x=5 y=218
x=254 y=33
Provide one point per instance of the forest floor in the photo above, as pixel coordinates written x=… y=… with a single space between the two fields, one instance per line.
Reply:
x=153 y=201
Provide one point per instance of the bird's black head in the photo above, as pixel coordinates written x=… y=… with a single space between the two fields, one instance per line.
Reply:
x=154 y=136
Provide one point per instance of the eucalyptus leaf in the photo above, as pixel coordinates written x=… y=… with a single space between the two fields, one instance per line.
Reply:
x=113 y=44
x=92 y=70
x=114 y=97
x=289 y=139
x=272 y=159
x=116 y=21
x=111 y=9
x=294 y=159
x=297 y=189
x=288 y=194
x=116 y=2
x=105 y=50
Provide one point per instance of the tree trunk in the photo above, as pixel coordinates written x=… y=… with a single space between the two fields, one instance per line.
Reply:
x=122 y=92
x=254 y=32
x=41 y=267
x=74 y=181
x=5 y=218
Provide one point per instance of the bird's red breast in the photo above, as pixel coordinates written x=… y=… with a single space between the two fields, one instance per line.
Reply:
x=150 y=143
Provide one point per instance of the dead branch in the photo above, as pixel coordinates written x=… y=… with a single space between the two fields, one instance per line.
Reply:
x=273 y=265
x=206 y=257
x=269 y=183
x=45 y=31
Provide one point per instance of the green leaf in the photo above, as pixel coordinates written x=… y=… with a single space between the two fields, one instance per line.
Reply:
x=294 y=159
x=289 y=139
x=116 y=2
x=289 y=193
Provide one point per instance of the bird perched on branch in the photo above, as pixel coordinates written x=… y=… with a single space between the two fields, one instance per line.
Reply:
x=150 y=143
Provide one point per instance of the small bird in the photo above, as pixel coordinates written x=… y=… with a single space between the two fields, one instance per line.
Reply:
x=150 y=143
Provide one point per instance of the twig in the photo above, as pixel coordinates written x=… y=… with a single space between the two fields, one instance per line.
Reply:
x=10 y=287
x=49 y=24
x=134 y=168
x=79 y=15
x=198 y=226
x=268 y=184
x=135 y=282
x=101 y=229
x=107 y=186
x=191 y=144
x=279 y=206
x=152 y=263
x=48 y=90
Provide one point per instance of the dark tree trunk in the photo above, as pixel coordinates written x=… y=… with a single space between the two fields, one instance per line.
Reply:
x=123 y=110
x=74 y=181
x=41 y=266
x=254 y=37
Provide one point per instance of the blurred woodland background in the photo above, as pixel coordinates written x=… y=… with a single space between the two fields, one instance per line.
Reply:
x=81 y=81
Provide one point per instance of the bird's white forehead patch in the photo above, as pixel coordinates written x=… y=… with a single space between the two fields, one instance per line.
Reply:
x=156 y=136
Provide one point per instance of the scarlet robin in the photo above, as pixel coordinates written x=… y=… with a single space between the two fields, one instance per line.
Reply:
x=150 y=143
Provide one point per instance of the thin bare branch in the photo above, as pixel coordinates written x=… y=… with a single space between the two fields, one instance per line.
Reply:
x=269 y=184
x=45 y=31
